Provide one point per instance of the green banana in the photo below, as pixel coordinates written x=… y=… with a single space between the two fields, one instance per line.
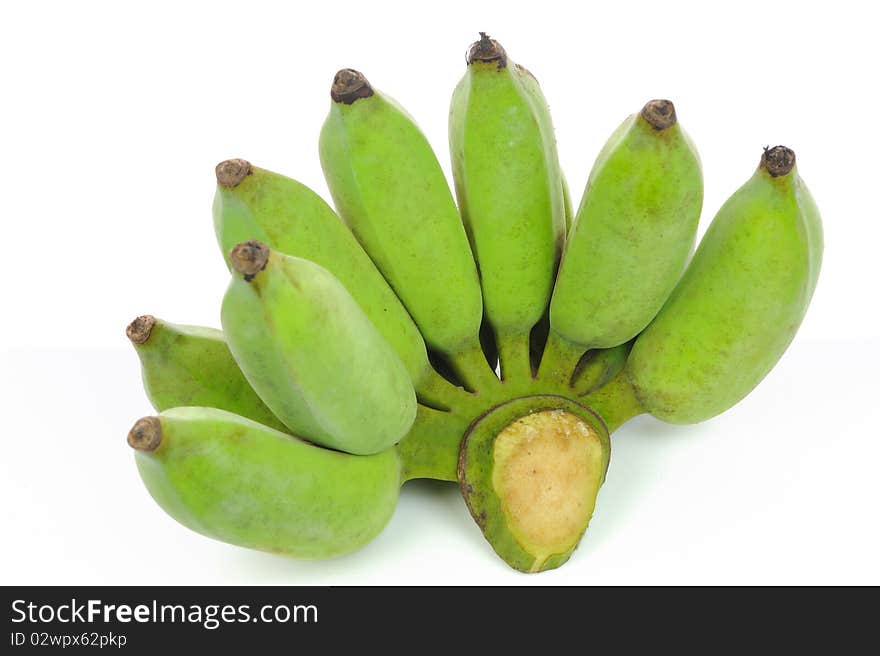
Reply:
x=736 y=308
x=191 y=365
x=509 y=190
x=253 y=203
x=387 y=184
x=542 y=112
x=566 y=198
x=234 y=480
x=312 y=355
x=630 y=240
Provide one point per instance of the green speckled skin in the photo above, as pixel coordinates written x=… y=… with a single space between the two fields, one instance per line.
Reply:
x=737 y=307
x=631 y=236
x=234 y=480
x=475 y=475
x=540 y=106
x=509 y=191
x=316 y=359
x=288 y=216
x=389 y=188
x=192 y=366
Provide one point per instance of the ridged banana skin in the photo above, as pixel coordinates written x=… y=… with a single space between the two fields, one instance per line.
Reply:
x=566 y=196
x=562 y=216
x=737 y=307
x=510 y=195
x=192 y=366
x=389 y=188
x=631 y=237
x=234 y=480
x=289 y=217
x=316 y=359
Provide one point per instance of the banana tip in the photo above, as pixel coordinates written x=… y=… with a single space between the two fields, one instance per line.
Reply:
x=139 y=330
x=146 y=434
x=487 y=50
x=249 y=258
x=349 y=85
x=660 y=114
x=778 y=161
x=231 y=172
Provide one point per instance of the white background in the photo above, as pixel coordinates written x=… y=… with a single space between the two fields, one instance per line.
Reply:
x=114 y=116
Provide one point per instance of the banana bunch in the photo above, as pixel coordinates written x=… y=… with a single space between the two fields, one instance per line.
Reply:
x=495 y=338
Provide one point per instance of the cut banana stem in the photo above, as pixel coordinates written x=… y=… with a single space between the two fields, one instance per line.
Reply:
x=290 y=324
x=192 y=365
x=514 y=212
x=740 y=302
x=430 y=449
x=238 y=481
x=530 y=471
x=389 y=188
x=633 y=232
x=256 y=204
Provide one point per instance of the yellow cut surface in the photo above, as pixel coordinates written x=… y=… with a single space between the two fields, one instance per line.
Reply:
x=548 y=467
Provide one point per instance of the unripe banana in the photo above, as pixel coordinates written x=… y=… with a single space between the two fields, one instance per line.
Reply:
x=387 y=184
x=631 y=237
x=312 y=355
x=736 y=308
x=542 y=111
x=253 y=203
x=509 y=190
x=234 y=480
x=192 y=366
x=569 y=212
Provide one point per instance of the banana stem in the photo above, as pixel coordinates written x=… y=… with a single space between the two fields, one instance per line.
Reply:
x=430 y=449
x=597 y=367
x=473 y=369
x=513 y=351
x=587 y=373
x=559 y=360
x=435 y=391
x=615 y=402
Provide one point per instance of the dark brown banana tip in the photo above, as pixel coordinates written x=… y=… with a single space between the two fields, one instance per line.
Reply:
x=350 y=85
x=146 y=434
x=231 y=172
x=487 y=50
x=139 y=330
x=660 y=114
x=249 y=258
x=778 y=160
